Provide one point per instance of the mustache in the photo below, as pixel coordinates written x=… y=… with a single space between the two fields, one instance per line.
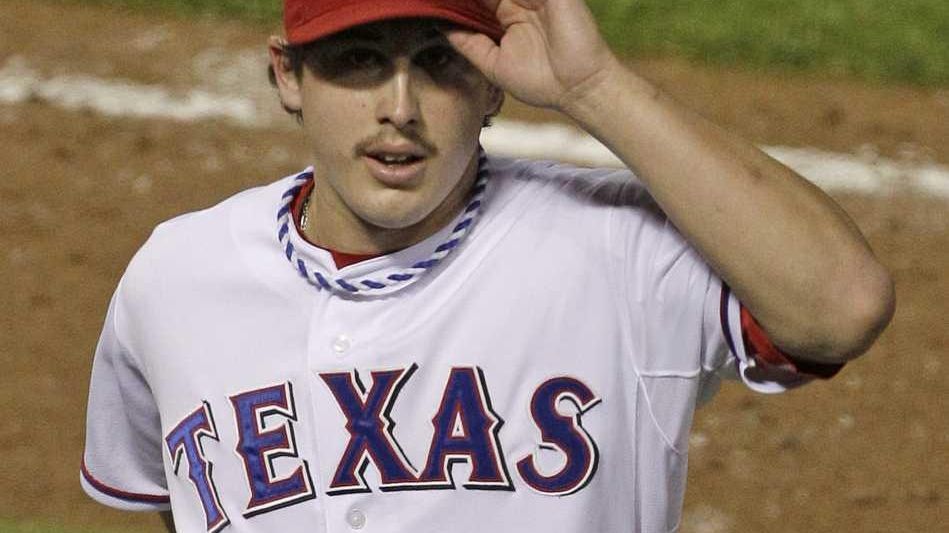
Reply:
x=382 y=137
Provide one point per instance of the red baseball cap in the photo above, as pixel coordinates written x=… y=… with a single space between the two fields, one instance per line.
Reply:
x=309 y=20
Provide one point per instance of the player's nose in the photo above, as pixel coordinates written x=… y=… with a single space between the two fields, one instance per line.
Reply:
x=399 y=103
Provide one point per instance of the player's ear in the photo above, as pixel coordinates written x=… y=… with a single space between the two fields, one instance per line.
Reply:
x=284 y=77
x=495 y=100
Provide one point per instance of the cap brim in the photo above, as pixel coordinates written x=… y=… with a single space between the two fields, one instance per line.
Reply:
x=341 y=19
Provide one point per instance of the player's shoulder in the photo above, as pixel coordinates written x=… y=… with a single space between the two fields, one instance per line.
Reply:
x=595 y=188
x=210 y=218
x=193 y=240
x=190 y=228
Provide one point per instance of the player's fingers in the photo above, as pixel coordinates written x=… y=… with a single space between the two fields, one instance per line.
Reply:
x=477 y=48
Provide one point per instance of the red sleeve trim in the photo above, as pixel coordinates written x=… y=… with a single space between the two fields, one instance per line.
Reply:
x=120 y=494
x=759 y=346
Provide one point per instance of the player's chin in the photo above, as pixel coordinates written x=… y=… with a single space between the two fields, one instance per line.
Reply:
x=396 y=209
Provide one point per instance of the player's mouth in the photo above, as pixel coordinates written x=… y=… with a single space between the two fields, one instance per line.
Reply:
x=396 y=166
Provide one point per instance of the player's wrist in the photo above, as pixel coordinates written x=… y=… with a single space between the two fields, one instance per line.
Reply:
x=595 y=98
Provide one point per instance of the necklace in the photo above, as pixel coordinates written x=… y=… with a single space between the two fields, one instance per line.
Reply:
x=305 y=211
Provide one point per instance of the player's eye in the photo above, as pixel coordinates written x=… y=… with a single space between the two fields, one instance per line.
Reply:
x=359 y=59
x=351 y=63
x=437 y=58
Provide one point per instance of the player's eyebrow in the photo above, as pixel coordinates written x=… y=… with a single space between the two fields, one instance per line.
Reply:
x=435 y=36
x=361 y=34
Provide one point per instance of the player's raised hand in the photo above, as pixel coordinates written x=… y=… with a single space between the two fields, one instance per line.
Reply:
x=550 y=54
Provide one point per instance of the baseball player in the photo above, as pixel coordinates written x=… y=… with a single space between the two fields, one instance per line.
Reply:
x=414 y=335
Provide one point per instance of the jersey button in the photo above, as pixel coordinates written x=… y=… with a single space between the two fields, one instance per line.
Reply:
x=356 y=519
x=341 y=344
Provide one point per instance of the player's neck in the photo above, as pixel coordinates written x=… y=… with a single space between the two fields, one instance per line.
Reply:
x=333 y=226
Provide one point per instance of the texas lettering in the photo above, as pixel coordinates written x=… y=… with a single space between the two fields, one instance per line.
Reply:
x=465 y=428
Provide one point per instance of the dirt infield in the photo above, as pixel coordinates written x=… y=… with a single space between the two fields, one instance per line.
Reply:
x=80 y=192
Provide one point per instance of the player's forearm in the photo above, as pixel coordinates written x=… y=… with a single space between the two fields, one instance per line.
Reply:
x=792 y=255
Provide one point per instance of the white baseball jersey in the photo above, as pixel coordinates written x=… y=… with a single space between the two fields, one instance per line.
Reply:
x=542 y=376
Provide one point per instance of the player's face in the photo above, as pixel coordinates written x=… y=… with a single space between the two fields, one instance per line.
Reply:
x=393 y=115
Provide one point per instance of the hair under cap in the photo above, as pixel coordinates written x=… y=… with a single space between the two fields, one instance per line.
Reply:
x=308 y=20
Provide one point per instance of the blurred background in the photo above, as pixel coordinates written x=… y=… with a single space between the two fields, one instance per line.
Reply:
x=118 y=114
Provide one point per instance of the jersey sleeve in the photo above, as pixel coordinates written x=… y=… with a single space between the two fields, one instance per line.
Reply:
x=688 y=320
x=748 y=354
x=122 y=462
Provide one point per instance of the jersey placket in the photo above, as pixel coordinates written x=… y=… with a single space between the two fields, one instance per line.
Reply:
x=339 y=352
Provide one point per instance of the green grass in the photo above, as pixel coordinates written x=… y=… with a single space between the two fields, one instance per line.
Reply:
x=879 y=40
x=268 y=11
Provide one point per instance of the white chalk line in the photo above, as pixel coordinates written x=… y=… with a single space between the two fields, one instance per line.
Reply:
x=20 y=83
x=865 y=173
